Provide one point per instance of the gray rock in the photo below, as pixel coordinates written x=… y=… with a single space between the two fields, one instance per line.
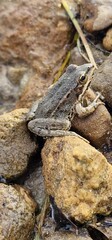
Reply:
x=102 y=80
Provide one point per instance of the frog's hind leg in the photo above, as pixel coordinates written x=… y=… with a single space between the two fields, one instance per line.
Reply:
x=49 y=127
x=46 y=127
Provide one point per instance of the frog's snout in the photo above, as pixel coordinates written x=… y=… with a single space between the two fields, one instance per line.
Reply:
x=86 y=67
x=84 y=70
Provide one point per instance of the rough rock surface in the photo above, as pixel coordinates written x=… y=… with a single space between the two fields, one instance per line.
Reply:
x=78 y=59
x=106 y=149
x=12 y=81
x=17 y=213
x=49 y=233
x=16 y=145
x=103 y=228
x=96 y=126
x=107 y=41
x=35 y=183
x=78 y=177
x=96 y=14
x=102 y=80
x=36 y=36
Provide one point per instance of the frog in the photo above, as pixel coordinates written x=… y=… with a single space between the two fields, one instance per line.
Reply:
x=53 y=114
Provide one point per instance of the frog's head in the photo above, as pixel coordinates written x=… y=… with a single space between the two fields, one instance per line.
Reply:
x=79 y=73
x=82 y=76
x=83 y=70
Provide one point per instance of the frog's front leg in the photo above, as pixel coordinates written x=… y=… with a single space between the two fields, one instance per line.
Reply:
x=31 y=113
x=85 y=111
x=50 y=127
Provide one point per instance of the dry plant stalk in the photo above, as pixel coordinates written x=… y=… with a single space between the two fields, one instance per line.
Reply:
x=79 y=30
x=57 y=76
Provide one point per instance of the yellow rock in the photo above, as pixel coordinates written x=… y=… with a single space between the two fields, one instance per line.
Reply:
x=16 y=145
x=17 y=210
x=78 y=177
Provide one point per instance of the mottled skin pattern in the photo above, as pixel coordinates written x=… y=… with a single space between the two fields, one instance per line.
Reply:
x=52 y=116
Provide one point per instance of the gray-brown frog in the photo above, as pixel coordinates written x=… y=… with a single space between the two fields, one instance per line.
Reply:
x=53 y=114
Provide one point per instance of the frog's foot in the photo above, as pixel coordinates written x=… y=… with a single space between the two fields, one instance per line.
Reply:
x=85 y=111
x=49 y=127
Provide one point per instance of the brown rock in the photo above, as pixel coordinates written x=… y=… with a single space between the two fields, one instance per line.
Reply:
x=106 y=149
x=17 y=216
x=15 y=143
x=15 y=74
x=102 y=80
x=78 y=177
x=96 y=126
x=35 y=36
x=107 y=41
x=96 y=14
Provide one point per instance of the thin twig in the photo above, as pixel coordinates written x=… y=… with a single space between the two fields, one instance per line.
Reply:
x=80 y=51
x=79 y=30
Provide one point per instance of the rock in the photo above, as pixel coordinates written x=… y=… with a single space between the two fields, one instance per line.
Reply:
x=76 y=57
x=35 y=37
x=78 y=177
x=102 y=80
x=49 y=233
x=103 y=228
x=65 y=235
x=96 y=126
x=12 y=81
x=16 y=145
x=15 y=74
x=17 y=216
x=35 y=183
x=107 y=41
x=96 y=14
x=8 y=93
x=106 y=148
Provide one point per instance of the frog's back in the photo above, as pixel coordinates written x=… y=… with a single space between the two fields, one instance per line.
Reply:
x=57 y=95
x=53 y=97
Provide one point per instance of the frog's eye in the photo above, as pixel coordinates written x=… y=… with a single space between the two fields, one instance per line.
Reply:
x=82 y=77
